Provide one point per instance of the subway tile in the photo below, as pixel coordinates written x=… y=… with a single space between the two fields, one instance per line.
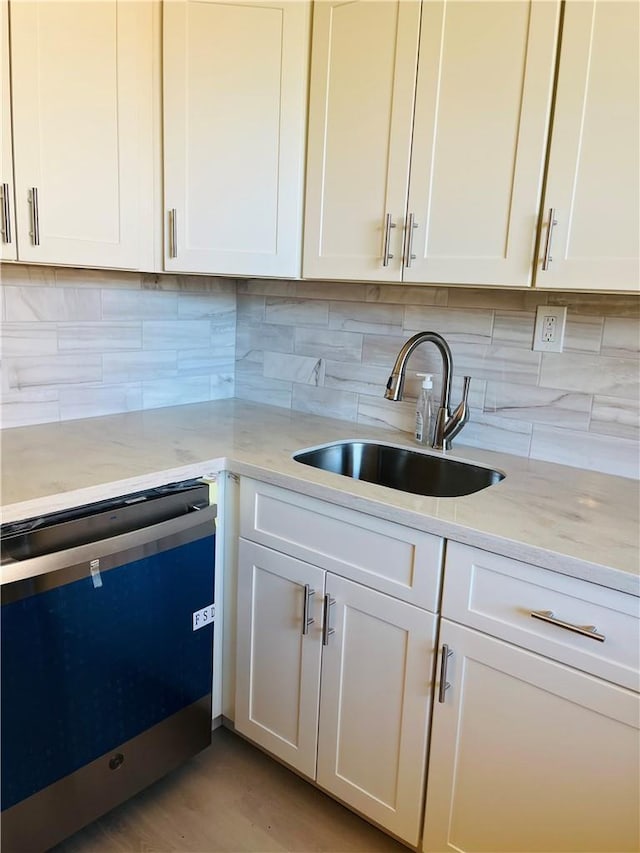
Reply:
x=295 y=312
x=194 y=306
x=336 y=291
x=52 y=304
x=498 y=298
x=591 y=374
x=327 y=343
x=493 y=432
x=29 y=339
x=293 y=368
x=23 y=408
x=222 y=385
x=583 y=333
x=598 y=304
x=383 y=350
x=497 y=363
x=612 y=455
x=252 y=385
x=157 y=393
x=175 y=334
x=92 y=401
x=71 y=277
x=120 y=367
x=27 y=275
x=376 y=411
x=361 y=378
x=250 y=308
x=329 y=402
x=99 y=337
x=621 y=337
x=514 y=328
x=538 y=405
x=138 y=305
x=453 y=324
x=366 y=317
x=613 y=416
x=264 y=337
x=406 y=294
x=267 y=287
x=54 y=370
x=201 y=361
x=187 y=283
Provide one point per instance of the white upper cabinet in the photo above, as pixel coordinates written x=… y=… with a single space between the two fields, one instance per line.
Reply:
x=81 y=77
x=235 y=86
x=594 y=175
x=483 y=98
x=363 y=70
x=453 y=198
x=7 y=211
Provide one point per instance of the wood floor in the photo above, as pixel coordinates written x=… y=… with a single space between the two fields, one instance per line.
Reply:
x=231 y=799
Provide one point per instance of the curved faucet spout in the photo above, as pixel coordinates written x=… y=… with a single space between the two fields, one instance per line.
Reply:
x=447 y=425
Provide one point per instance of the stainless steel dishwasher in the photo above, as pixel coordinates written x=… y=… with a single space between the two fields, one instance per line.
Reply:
x=107 y=650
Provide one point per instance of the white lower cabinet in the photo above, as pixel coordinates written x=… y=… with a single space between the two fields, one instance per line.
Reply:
x=366 y=719
x=535 y=743
x=528 y=754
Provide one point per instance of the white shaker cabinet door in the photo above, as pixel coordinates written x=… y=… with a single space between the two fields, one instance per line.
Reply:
x=7 y=211
x=377 y=669
x=235 y=88
x=363 y=69
x=278 y=661
x=485 y=84
x=529 y=755
x=81 y=77
x=593 y=185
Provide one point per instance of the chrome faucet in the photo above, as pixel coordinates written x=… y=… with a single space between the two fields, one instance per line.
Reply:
x=447 y=425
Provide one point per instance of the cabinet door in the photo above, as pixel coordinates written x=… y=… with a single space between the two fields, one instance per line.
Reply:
x=594 y=173
x=374 y=707
x=530 y=755
x=485 y=80
x=235 y=86
x=363 y=69
x=82 y=98
x=7 y=212
x=278 y=664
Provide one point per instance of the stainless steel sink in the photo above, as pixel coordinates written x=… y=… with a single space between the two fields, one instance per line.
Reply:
x=400 y=468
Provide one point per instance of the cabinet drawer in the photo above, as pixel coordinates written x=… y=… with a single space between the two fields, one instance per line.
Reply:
x=389 y=557
x=497 y=595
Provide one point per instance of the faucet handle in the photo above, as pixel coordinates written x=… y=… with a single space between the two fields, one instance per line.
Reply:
x=465 y=388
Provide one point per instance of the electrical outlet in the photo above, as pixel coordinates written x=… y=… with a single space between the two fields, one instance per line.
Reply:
x=548 y=335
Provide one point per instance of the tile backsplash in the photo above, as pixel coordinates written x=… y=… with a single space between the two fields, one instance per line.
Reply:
x=79 y=343
x=327 y=348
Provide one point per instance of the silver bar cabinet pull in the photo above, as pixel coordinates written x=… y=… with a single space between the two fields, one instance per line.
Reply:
x=584 y=630
x=6 y=215
x=546 y=260
x=306 y=619
x=386 y=254
x=35 y=217
x=444 y=684
x=173 y=233
x=327 y=630
x=411 y=226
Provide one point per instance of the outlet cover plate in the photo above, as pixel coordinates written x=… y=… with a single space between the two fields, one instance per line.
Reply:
x=548 y=335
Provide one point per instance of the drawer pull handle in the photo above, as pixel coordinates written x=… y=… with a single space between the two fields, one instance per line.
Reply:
x=584 y=630
x=444 y=684
x=35 y=216
x=306 y=619
x=546 y=261
x=327 y=630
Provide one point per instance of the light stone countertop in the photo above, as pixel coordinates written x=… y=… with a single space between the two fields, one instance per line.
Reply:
x=580 y=523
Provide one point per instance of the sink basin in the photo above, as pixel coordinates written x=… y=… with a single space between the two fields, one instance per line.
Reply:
x=400 y=468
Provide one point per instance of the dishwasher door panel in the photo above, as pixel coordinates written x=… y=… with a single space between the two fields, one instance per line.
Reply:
x=90 y=664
